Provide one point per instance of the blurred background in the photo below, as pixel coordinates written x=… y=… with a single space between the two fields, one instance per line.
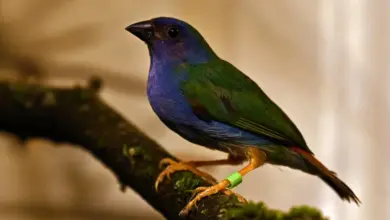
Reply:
x=324 y=62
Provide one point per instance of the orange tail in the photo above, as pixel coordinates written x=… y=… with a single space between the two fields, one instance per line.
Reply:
x=329 y=177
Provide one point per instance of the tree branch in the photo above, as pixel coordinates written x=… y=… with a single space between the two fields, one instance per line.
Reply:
x=78 y=115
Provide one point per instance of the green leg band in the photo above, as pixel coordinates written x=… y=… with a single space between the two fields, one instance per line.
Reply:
x=235 y=179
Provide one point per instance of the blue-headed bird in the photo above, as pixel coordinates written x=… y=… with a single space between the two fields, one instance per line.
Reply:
x=211 y=103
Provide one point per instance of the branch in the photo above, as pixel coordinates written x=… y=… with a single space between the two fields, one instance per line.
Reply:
x=78 y=115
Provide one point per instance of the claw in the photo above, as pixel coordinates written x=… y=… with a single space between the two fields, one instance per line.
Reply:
x=166 y=161
x=225 y=191
x=180 y=166
x=239 y=197
x=197 y=190
x=208 y=191
x=205 y=192
x=257 y=158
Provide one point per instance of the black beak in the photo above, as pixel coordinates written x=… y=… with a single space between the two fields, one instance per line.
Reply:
x=144 y=30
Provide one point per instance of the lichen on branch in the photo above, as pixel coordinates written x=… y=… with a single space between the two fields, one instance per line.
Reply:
x=79 y=116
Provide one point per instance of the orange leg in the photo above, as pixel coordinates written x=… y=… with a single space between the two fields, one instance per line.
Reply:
x=257 y=158
x=191 y=166
x=231 y=160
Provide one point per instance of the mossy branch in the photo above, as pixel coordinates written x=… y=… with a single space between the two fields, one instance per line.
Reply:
x=77 y=115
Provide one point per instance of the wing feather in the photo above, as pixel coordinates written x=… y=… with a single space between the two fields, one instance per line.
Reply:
x=219 y=91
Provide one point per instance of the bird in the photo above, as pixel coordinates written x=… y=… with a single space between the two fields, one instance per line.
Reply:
x=210 y=102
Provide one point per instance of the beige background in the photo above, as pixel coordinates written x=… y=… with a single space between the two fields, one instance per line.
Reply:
x=324 y=62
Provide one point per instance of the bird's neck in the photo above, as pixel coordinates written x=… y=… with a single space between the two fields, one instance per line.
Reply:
x=164 y=71
x=168 y=66
x=177 y=54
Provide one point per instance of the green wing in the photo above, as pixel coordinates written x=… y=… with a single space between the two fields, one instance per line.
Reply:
x=219 y=91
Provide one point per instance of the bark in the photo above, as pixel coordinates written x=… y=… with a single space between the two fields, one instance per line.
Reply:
x=79 y=116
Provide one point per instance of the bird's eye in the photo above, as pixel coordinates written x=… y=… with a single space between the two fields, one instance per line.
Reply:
x=173 y=32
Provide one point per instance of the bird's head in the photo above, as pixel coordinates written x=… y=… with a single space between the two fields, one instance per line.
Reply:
x=172 y=39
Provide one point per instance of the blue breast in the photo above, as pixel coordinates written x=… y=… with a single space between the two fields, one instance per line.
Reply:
x=165 y=96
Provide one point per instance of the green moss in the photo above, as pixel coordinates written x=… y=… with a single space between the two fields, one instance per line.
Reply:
x=255 y=211
x=133 y=152
x=129 y=152
x=146 y=171
x=137 y=153
x=185 y=181
x=204 y=211
x=259 y=211
x=304 y=212
x=125 y=150
x=49 y=99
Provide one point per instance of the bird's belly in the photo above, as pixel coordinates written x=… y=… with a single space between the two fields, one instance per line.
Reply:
x=175 y=112
x=178 y=116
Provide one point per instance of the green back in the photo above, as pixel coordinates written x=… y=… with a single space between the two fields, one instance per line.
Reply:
x=219 y=91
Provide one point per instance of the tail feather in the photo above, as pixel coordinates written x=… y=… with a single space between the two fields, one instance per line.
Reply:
x=341 y=188
x=329 y=177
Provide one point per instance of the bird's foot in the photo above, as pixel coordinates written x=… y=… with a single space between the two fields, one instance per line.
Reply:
x=181 y=166
x=227 y=192
x=208 y=191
